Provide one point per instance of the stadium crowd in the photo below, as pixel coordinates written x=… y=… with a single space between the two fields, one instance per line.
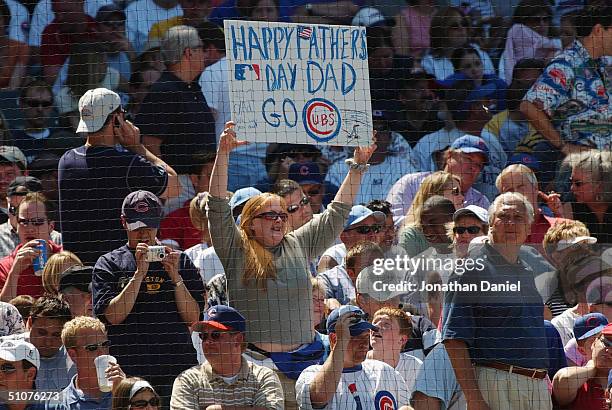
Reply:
x=151 y=257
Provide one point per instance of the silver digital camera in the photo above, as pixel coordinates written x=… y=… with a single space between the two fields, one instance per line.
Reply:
x=156 y=253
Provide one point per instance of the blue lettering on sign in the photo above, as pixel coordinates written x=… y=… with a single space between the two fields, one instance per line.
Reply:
x=255 y=45
x=273 y=118
x=281 y=78
x=319 y=80
x=238 y=43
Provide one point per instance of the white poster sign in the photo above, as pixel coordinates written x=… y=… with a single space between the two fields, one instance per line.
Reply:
x=299 y=84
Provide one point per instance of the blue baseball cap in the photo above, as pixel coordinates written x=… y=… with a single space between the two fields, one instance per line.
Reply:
x=589 y=325
x=471 y=144
x=305 y=173
x=242 y=195
x=222 y=317
x=610 y=379
x=359 y=213
x=358 y=325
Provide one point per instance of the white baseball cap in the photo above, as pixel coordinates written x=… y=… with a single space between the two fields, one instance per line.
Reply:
x=95 y=106
x=371 y=17
x=16 y=350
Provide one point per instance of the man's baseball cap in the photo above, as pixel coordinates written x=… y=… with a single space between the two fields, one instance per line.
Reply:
x=106 y=12
x=589 y=325
x=13 y=155
x=471 y=144
x=371 y=17
x=94 y=108
x=607 y=331
x=369 y=275
x=78 y=277
x=359 y=213
x=473 y=210
x=358 y=325
x=305 y=173
x=222 y=317
x=529 y=160
x=16 y=350
x=21 y=186
x=242 y=195
x=142 y=209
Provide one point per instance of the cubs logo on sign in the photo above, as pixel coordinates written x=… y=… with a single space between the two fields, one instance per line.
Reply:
x=384 y=401
x=321 y=119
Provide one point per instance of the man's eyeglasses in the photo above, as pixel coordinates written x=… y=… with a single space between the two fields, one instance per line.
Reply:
x=92 y=347
x=215 y=335
x=139 y=404
x=366 y=229
x=38 y=103
x=293 y=208
x=33 y=221
x=472 y=230
x=273 y=216
x=313 y=192
x=7 y=368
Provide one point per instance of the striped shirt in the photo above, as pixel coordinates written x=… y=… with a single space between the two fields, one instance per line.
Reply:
x=253 y=386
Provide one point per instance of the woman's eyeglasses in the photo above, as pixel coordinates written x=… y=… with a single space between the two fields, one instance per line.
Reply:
x=139 y=404
x=293 y=208
x=366 y=229
x=472 y=230
x=33 y=221
x=92 y=347
x=7 y=368
x=273 y=216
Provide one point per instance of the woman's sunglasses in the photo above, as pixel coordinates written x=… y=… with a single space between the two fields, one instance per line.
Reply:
x=472 y=230
x=293 y=208
x=273 y=216
x=138 y=404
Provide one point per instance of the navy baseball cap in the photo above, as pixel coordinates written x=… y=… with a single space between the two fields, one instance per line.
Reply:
x=78 y=277
x=358 y=325
x=222 y=317
x=471 y=144
x=242 y=195
x=305 y=173
x=589 y=325
x=142 y=209
x=21 y=186
x=529 y=160
x=359 y=213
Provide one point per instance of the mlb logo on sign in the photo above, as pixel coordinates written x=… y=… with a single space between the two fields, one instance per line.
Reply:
x=304 y=32
x=246 y=72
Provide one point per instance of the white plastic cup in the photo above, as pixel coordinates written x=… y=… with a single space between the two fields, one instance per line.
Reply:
x=102 y=362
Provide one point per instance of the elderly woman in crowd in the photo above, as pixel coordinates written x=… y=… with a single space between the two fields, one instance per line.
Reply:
x=266 y=265
x=591 y=184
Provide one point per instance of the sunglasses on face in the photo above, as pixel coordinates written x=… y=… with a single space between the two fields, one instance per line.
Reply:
x=606 y=342
x=7 y=368
x=472 y=230
x=139 y=404
x=33 y=221
x=293 y=208
x=95 y=346
x=366 y=229
x=273 y=216
x=314 y=192
x=38 y=103
x=214 y=335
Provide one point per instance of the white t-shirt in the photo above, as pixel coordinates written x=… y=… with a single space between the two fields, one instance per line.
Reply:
x=442 y=68
x=565 y=325
x=141 y=15
x=376 y=183
x=43 y=15
x=206 y=260
x=374 y=384
x=408 y=367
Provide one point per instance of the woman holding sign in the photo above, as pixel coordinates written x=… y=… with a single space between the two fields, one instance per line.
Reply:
x=266 y=267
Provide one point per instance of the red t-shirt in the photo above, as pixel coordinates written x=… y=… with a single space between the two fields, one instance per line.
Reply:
x=177 y=226
x=29 y=283
x=590 y=397
x=55 y=45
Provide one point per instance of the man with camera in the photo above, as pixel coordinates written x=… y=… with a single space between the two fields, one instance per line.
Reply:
x=148 y=295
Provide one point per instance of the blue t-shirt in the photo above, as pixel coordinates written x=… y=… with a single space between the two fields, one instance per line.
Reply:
x=497 y=326
x=92 y=183
x=153 y=341
x=72 y=398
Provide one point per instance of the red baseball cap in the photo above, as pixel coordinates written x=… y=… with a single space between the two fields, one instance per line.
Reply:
x=607 y=331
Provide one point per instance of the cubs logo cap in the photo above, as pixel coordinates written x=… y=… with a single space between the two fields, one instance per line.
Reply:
x=16 y=350
x=222 y=317
x=142 y=209
x=94 y=108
